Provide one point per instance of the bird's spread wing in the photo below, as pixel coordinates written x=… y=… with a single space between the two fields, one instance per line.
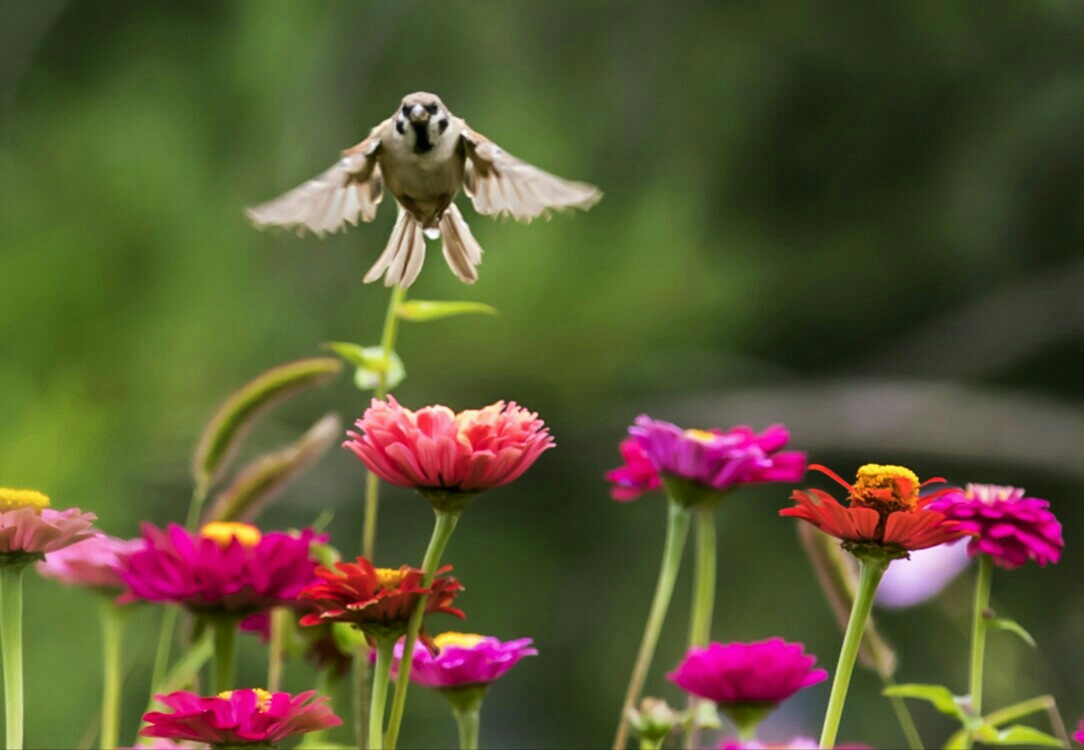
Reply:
x=349 y=190
x=499 y=183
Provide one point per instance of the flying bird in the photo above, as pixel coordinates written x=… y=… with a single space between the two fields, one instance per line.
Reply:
x=423 y=154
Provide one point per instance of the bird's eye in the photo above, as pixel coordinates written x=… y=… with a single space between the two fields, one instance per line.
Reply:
x=443 y=124
x=431 y=108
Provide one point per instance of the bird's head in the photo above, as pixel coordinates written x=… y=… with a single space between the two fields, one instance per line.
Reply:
x=422 y=121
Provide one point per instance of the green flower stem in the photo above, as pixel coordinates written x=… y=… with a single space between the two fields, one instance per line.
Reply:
x=442 y=532
x=903 y=715
x=677 y=528
x=870 y=576
x=326 y=680
x=276 y=648
x=978 y=635
x=225 y=636
x=385 y=648
x=11 y=645
x=112 y=638
x=648 y=744
x=468 y=722
x=703 y=599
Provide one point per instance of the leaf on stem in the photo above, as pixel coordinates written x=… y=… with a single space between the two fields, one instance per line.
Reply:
x=371 y=364
x=938 y=696
x=421 y=311
x=1018 y=734
x=229 y=425
x=260 y=481
x=1011 y=626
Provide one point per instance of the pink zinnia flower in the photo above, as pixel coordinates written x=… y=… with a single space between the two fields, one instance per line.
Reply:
x=239 y=718
x=464 y=659
x=29 y=528
x=716 y=459
x=227 y=568
x=1079 y=736
x=1004 y=524
x=765 y=672
x=438 y=449
x=97 y=562
x=636 y=476
x=798 y=743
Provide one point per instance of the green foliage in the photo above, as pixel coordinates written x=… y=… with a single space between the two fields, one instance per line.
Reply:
x=1011 y=626
x=421 y=311
x=938 y=696
x=371 y=364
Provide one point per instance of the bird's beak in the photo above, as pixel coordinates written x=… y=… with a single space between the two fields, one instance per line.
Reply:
x=419 y=114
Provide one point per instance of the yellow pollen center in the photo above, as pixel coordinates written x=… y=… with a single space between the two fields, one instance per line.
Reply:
x=263 y=698
x=16 y=499
x=885 y=488
x=462 y=640
x=702 y=436
x=225 y=532
x=389 y=578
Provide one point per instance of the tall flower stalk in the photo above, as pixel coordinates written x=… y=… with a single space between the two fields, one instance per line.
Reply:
x=11 y=645
x=381 y=675
x=983 y=584
x=677 y=529
x=112 y=617
x=703 y=600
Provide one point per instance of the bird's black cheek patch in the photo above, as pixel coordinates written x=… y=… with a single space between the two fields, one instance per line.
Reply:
x=442 y=125
x=400 y=127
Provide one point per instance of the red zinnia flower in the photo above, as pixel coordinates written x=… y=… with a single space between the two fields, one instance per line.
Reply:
x=885 y=510
x=239 y=718
x=378 y=601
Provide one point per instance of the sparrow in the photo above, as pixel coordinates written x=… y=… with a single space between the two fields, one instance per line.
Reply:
x=423 y=155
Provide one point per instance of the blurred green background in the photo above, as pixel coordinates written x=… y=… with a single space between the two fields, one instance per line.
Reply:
x=861 y=221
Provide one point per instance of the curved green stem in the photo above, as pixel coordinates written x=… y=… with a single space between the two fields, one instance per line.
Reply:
x=112 y=636
x=11 y=645
x=468 y=722
x=978 y=635
x=677 y=528
x=225 y=635
x=703 y=599
x=385 y=648
x=868 y=580
x=903 y=716
x=276 y=647
x=442 y=532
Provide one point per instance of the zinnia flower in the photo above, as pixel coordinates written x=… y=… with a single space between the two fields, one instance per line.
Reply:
x=437 y=449
x=798 y=743
x=636 y=476
x=29 y=528
x=763 y=673
x=227 y=568
x=239 y=718
x=1079 y=736
x=715 y=460
x=910 y=582
x=378 y=601
x=97 y=562
x=464 y=659
x=885 y=511
x=1004 y=524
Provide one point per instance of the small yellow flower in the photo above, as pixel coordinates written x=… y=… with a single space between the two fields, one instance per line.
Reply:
x=15 y=499
x=460 y=640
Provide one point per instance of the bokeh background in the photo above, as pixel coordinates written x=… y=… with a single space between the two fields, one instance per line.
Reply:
x=861 y=221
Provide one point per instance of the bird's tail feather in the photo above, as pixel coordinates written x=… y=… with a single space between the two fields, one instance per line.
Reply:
x=461 y=250
x=403 y=256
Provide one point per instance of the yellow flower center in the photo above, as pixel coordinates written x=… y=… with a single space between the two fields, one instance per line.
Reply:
x=702 y=436
x=16 y=499
x=225 y=532
x=462 y=640
x=389 y=578
x=263 y=698
x=885 y=488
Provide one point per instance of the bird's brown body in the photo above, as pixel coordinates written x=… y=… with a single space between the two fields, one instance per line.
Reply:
x=423 y=156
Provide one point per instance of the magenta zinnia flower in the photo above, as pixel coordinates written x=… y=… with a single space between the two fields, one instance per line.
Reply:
x=765 y=672
x=1079 y=736
x=636 y=476
x=29 y=528
x=435 y=448
x=464 y=659
x=239 y=718
x=1004 y=524
x=228 y=568
x=798 y=743
x=715 y=459
x=97 y=562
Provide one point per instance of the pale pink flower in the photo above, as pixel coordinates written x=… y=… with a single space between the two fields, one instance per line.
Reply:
x=97 y=562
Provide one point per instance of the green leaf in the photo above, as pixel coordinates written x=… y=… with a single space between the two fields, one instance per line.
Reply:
x=259 y=482
x=1018 y=734
x=229 y=425
x=420 y=311
x=1011 y=626
x=371 y=364
x=939 y=696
